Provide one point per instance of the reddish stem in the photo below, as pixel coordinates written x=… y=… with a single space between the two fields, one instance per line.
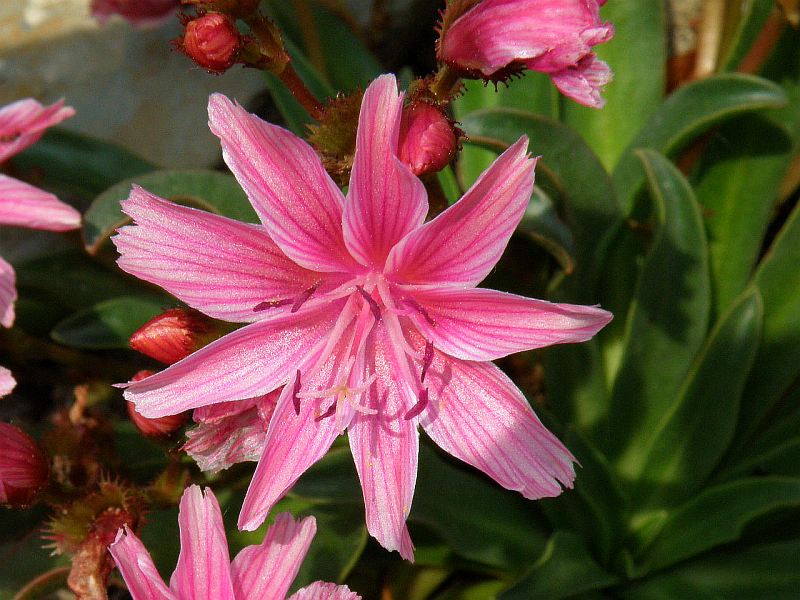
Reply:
x=302 y=94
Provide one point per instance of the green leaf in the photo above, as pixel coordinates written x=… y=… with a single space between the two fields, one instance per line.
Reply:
x=590 y=206
x=108 y=324
x=453 y=503
x=751 y=15
x=687 y=113
x=450 y=187
x=566 y=568
x=541 y=224
x=737 y=185
x=208 y=190
x=716 y=516
x=764 y=571
x=668 y=318
x=777 y=363
x=637 y=54
x=693 y=435
x=76 y=163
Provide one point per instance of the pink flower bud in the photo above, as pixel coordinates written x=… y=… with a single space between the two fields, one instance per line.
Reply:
x=212 y=41
x=138 y=12
x=23 y=467
x=173 y=335
x=427 y=139
x=158 y=427
x=498 y=38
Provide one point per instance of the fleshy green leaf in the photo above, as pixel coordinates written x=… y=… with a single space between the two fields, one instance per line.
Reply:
x=751 y=16
x=668 y=318
x=688 y=112
x=637 y=54
x=716 y=516
x=565 y=568
x=208 y=190
x=694 y=433
x=108 y=324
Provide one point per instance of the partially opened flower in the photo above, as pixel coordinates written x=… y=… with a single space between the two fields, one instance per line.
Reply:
x=205 y=571
x=496 y=38
x=367 y=315
x=23 y=466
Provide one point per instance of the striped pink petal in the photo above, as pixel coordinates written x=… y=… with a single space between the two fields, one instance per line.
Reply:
x=584 y=81
x=8 y=293
x=481 y=324
x=249 y=362
x=24 y=205
x=266 y=571
x=137 y=568
x=7 y=382
x=23 y=123
x=203 y=569
x=219 y=266
x=385 y=448
x=461 y=245
x=320 y=590
x=294 y=196
x=478 y=415
x=385 y=200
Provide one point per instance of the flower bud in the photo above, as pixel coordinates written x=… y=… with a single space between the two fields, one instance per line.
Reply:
x=495 y=39
x=23 y=467
x=158 y=427
x=427 y=139
x=212 y=41
x=173 y=335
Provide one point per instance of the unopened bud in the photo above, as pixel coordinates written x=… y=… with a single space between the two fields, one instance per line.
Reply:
x=23 y=467
x=158 y=427
x=427 y=138
x=173 y=335
x=212 y=41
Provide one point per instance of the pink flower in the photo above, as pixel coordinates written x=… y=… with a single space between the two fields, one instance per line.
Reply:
x=205 y=571
x=142 y=13
x=7 y=382
x=22 y=124
x=367 y=315
x=498 y=37
x=23 y=466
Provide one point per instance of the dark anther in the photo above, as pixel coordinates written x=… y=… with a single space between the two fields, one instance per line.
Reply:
x=301 y=299
x=419 y=406
x=427 y=359
x=261 y=306
x=376 y=310
x=327 y=413
x=295 y=391
x=419 y=308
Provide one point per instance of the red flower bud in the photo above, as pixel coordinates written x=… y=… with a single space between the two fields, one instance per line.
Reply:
x=159 y=427
x=427 y=139
x=173 y=335
x=212 y=41
x=23 y=467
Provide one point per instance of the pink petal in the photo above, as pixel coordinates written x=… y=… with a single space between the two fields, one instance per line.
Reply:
x=479 y=416
x=23 y=123
x=235 y=437
x=137 y=568
x=142 y=13
x=7 y=382
x=8 y=293
x=27 y=206
x=294 y=196
x=219 y=266
x=203 y=569
x=584 y=82
x=249 y=362
x=385 y=200
x=320 y=590
x=481 y=324
x=385 y=448
x=295 y=441
x=461 y=245
x=266 y=571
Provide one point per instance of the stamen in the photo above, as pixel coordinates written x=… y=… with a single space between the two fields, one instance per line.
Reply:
x=427 y=359
x=327 y=413
x=419 y=308
x=295 y=392
x=419 y=406
x=261 y=306
x=376 y=310
x=10 y=137
x=302 y=298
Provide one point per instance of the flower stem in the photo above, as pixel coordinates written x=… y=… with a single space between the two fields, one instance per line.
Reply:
x=445 y=84
x=300 y=91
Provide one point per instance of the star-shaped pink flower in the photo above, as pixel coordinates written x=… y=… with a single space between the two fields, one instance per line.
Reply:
x=205 y=571
x=368 y=315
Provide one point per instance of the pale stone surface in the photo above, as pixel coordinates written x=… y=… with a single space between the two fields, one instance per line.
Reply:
x=127 y=85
